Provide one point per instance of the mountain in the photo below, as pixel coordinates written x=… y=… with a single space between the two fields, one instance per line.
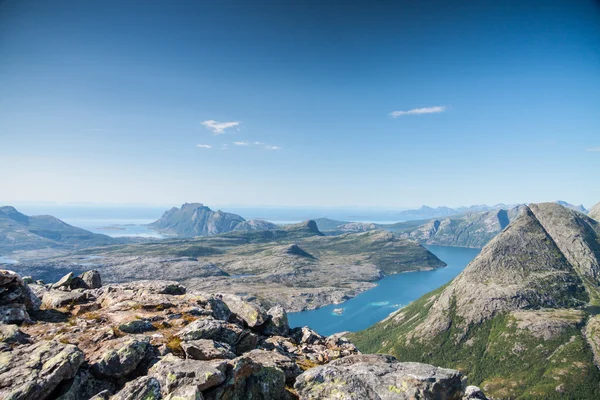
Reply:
x=19 y=232
x=579 y=208
x=595 y=212
x=474 y=229
x=515 y=320
x=195 y=219
x=255 y=225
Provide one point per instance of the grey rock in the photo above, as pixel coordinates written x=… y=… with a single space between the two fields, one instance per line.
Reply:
x=92 y=279
x=11 y=334
x=174 y=373
x=59 y=298
x=594 y=212
x=65 y=281
x=13 y=314
x=103 y=395
x=185 y=393
x=253 y=314
x=275 y=359
x=33 y=372
x=206 y=349
x=474 y=393
x=142 y=388
x=137 y=326
x=378 y=377
x=247 y=379
x=120 y=358
x=277 y=324
x=85 y=386
x=212 y=329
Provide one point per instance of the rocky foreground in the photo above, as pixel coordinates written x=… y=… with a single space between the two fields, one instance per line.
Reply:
x=76 y=339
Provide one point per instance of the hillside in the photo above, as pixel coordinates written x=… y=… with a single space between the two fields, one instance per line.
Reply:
x=595 y=212
x=19 y=232
x=515 y=319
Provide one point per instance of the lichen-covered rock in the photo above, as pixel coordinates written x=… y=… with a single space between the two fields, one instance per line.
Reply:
x=276 y=360
x=142 y=388
x=120 y=357
x=185 y=393
x=253 y=314
x=206 y=349
x=214 y=329
x=91 y=279
x=33 y=372
x=174 y=373
x=84 y=386
x=379 y=377
x=218 y=308
x=10 y=333
x=247 y=379
x=137 y=326
x=16 y=298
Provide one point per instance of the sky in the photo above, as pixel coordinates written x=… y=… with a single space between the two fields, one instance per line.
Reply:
x=324 y=103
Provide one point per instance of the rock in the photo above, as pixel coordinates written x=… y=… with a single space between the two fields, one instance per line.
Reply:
x=142 y=388
x=378 y=377
x=173 y=373
x=33 y=372
x=11 y=334
x=217 y=306
x=306 y=335
x=474 y=393
x=276 y=360
x=248 y=341
x=185 y=393
x=84 y=386
x=154 y=287
x=28 y=280
x=206 y=349
x=137 y=326
x=214 y=329
x=59 y=298
x=252 y=314
x=277 y=323
x=91 y=279
x=120 y=357
x=65 y=281
x=13 y=314
x=247 y=379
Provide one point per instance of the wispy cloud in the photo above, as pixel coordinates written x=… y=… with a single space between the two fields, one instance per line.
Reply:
x=204 y=146
x=258 y=144
x=225 y=147
x=218 y=128
x=419 y=111
x=593 y=149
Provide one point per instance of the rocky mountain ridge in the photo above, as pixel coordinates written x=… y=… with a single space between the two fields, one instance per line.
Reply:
x=155 y=340
x=515 y=319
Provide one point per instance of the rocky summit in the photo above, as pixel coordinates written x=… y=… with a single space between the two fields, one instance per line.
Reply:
x=520 y=319
x=595 y=212
x=77 y=339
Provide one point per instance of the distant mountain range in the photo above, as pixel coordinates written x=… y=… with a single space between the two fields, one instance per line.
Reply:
x=515 y=320
x=20 y=232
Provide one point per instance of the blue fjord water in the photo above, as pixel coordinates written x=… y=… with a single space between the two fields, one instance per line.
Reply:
x=392 y=292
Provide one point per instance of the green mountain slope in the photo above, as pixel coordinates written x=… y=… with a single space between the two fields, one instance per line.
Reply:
x=514 y=319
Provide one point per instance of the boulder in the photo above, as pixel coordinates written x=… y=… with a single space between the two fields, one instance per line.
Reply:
x=91 y=279
x=206 y=349
x=16 y=298
x=142 y=388
x=174 y=373
x=34 y=372
x=276 y=360
x=185 y=393
x=84 y=386
x=11 y=334
x=65 y=281
x=212 y=329
x=376 y=376
x=252 y=314
x=247 y=379
x=59 y=298
x=277 y=323
x=120 y=357
x=137 y=326
x=474 y=393
x=217 y=307
x=13 y=314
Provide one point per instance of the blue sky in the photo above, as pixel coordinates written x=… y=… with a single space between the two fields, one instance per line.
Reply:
x=107 y=101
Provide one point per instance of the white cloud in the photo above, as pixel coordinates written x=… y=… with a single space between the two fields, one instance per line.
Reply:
x=204 y=146
x=242 y=143
x=218 y=128
x=593 y=149
x=419 y=111
x=269 y=147
x=225 y=147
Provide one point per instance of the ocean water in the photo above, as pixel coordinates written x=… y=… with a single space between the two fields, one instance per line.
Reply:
x=391 y=293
